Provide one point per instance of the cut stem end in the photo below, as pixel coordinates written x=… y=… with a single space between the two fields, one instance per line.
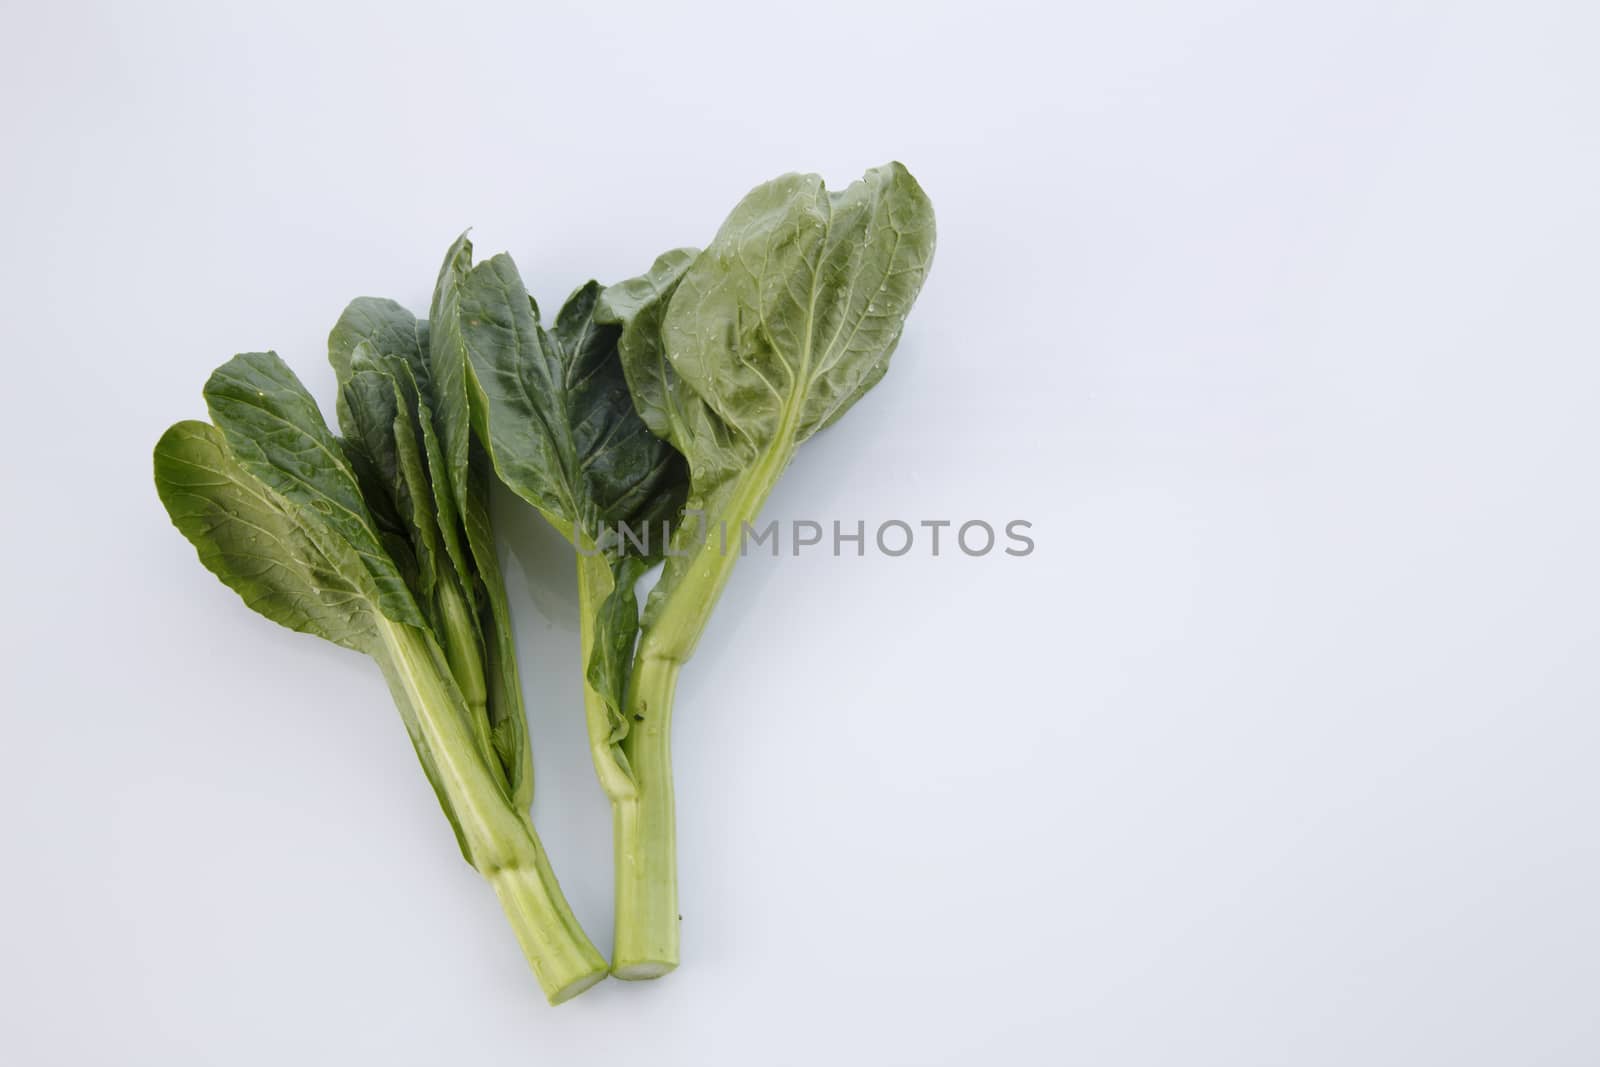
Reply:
x=642 y=970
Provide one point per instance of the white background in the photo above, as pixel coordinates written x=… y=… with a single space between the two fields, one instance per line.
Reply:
x=1277 y=320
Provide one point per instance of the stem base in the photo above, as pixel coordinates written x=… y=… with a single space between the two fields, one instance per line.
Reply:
x=645 y=838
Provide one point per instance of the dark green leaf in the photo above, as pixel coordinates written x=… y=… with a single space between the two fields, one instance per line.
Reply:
x=556 y=412
x=447 y=359
x=279 y=559
x=616 y=628
x=389 y=329
x=794 y=309
x=507 y=719
x=275 y=432
x=255 y=542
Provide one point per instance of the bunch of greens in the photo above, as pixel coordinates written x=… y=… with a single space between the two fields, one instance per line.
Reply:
x=380 y=541
x=648 y=424
x=695 y=382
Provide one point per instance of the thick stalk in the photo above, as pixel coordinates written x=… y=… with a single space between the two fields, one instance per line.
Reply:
x=564 y=960
x=498 y=840
x=643 y=828
x=643 y=832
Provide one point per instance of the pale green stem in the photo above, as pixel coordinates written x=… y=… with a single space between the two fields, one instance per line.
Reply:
x=677 y=626
x=643 y=852
x=643 y=824
x=643 y=832
x=499 y=840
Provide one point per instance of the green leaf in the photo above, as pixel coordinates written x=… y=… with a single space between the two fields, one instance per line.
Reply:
x=378 y=423
x=275 y=432
x=637 y=307
x=447 y=359
x=255 y=542
x=668 y=406
x=446 y=502
x=389 y=329
x=616 y=630
x=555 y=410
x=793 y=311
x=626 y=473
x=367 y=418
x=508 y=720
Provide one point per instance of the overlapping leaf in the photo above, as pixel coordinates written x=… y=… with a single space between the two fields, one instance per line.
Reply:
x=275 y=433
x=795 y=307
x=259 y=545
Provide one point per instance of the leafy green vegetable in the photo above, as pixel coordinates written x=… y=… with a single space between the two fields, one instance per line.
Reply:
x=733 y=356
x=736 y=355
x=360 y=541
